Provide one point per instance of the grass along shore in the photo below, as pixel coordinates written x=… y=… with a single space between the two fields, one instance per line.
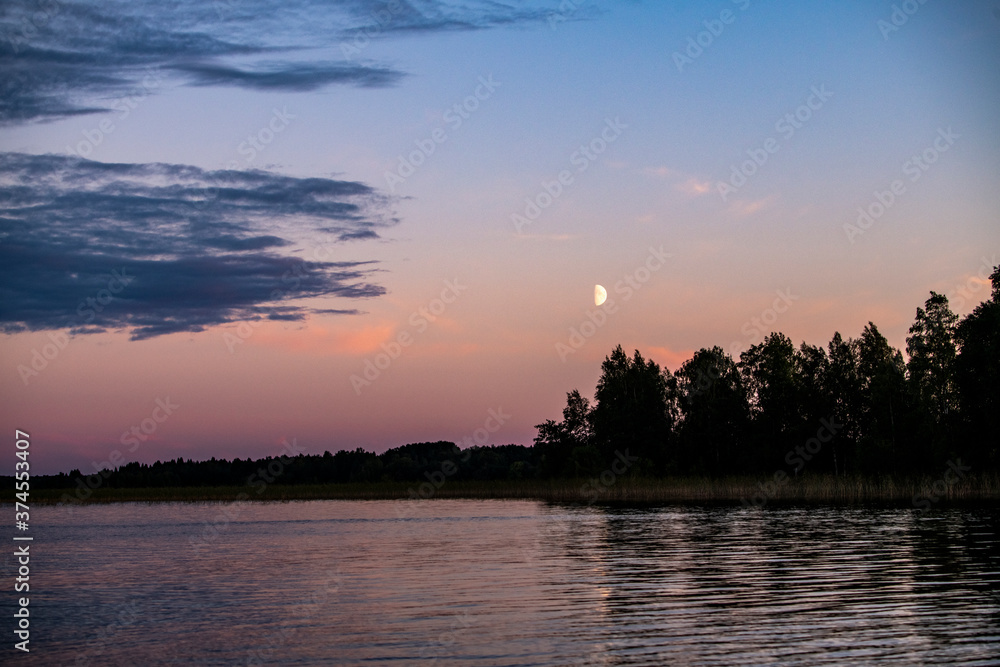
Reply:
x=925 y=491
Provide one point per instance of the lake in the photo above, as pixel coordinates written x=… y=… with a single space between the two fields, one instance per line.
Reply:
x=473 y=582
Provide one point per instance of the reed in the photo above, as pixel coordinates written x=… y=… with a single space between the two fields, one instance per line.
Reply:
x=744 y=490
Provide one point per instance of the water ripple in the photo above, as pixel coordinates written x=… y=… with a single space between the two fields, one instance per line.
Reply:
x=497 y=583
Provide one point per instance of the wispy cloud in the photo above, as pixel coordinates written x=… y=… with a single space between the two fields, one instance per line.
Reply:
x=742 y=208
x=694 y=187
x=691 y=186
x=64 y=58
x=201 y=248
x=660 y=172
x=285 y=76
x=545 y=237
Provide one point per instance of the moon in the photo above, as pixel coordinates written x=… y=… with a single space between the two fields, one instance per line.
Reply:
x=600 y=295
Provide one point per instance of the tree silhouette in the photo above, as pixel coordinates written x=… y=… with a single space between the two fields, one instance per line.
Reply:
x=631 y=410
x=977 y=375
x=931 y=375
x=880 y=402
x=768 y=370
x=714 y=415
x=566 y=448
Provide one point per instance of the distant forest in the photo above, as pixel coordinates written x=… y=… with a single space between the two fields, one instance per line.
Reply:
x=853 y=407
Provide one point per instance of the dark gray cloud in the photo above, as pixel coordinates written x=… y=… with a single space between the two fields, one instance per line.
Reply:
x=279 y=76
x=66 y=57
x=161 y=248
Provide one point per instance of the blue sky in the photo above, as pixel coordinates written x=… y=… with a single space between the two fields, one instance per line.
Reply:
x=190 y=87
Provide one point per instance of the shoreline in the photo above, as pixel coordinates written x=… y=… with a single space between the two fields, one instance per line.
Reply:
x=917 y=492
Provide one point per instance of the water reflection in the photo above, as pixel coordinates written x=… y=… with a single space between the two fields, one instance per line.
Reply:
x=514 y=583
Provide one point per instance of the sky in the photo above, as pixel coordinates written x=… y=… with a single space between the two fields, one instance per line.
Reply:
x=229 y=226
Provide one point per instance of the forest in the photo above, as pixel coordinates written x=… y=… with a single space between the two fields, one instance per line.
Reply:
x=854 y=407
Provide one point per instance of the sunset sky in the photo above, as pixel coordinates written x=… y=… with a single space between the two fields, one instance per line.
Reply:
x=364 y=224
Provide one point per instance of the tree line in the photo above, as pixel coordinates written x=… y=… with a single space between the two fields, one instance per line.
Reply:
x=852 y=407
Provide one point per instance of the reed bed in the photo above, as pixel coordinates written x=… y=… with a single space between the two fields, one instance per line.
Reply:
x=745 y=490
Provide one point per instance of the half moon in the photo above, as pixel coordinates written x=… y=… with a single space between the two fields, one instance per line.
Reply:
x=600 y=295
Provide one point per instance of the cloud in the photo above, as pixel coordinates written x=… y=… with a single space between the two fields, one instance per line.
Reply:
x=742 y=208
x=691 y=186
x=280 y=76
x=59 y=58
x=545 y=237
x=161 y=248
x=438 y=16
x=660 y=172
x=694 y=187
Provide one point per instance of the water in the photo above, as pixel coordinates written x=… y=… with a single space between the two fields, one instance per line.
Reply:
x=511 y=583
